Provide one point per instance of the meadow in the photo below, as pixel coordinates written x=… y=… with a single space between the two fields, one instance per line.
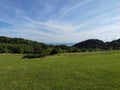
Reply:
x=75 y=71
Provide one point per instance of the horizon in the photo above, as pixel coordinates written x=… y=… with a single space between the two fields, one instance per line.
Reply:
x=60 y=21
x=61 y=43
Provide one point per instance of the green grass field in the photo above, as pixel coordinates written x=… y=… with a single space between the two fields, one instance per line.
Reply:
x=84 y=71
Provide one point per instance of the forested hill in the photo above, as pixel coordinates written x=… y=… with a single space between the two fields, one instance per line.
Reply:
x=9 y=40
x=20 y=45
x=95 y=44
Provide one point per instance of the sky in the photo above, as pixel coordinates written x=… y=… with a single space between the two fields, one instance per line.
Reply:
x=60 y=21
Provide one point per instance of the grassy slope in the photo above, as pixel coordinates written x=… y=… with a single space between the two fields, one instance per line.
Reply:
x=92 y=71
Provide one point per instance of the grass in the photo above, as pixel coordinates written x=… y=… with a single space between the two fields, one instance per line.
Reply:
x=80 y=71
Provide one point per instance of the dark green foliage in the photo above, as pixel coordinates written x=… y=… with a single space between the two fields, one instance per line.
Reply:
x=27 y=48
x=97 y=45
x=91 y=43
x=114 y=45
x=3 y=49
x=32 y=48
x=36 y=49
x=30 y=56
x=19 y=45
x=84 y=50
x=54 y=51
x=4 y=39
x=63 y=47
x=73 y=49
x=14 y=49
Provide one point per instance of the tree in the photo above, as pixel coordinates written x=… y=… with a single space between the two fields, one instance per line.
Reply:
x=54 y=51
x=3 y=49
x=15 y=49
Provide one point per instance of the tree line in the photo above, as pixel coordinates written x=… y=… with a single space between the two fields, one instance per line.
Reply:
x=34 y=49
x=98 y=45
x=31 y=48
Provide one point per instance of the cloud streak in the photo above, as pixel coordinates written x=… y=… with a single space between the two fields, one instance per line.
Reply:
x=69 y=22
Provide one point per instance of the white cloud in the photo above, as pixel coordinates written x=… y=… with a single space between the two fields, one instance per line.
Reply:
x=58 y=30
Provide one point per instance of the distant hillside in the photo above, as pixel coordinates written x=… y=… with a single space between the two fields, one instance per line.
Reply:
x=9 y=40
x=20 y=45
x=68 y=44
x=95 y=44
x=91 y=43
x=37 y=49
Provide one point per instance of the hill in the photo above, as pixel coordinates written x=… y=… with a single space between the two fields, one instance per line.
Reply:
x=33 y=48
x=95 y=44
x=20 y=45
x=37 y=49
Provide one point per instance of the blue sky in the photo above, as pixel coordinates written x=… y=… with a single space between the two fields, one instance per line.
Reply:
x=60 y=21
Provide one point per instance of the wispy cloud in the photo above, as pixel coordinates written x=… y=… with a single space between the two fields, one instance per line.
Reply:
x=70 y=9
x=50 y=23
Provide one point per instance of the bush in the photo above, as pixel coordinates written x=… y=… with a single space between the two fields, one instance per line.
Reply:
x=84 y=50
x=15 y=49
x=3 y=49
x=54 y=51
x=34 y=56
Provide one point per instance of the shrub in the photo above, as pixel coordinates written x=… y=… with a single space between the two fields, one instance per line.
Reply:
x=15 y=49
x=34 y=55
x=3 y=49
x=54 y=51
x=84 y=50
